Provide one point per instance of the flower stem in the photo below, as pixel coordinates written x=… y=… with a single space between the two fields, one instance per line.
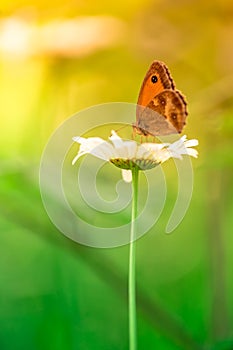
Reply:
x=131 y=285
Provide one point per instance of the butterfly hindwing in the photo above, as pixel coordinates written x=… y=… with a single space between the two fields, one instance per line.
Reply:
x=165 y=114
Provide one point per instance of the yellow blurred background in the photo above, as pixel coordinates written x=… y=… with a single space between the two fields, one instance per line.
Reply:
x=59 y=58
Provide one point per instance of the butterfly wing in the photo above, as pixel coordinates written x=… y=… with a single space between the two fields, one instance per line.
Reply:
x=165 y=114
x=156 y=80
x=161 y=109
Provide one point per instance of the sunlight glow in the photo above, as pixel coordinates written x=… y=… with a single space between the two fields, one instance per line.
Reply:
x=15 y=37
x=66 y=38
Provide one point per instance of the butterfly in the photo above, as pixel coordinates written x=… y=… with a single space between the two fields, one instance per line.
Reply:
x=161 y=109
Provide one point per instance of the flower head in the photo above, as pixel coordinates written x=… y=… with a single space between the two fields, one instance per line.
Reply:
x=127 y=154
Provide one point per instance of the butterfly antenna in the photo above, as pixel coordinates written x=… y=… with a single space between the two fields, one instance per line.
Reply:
x=122 y=127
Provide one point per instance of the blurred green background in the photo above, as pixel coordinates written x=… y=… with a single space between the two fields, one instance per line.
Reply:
x=57 y=58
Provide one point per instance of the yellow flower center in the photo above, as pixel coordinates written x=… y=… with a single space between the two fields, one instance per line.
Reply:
x=128 y=164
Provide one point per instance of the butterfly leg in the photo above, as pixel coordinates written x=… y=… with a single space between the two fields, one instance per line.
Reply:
x=133 y=135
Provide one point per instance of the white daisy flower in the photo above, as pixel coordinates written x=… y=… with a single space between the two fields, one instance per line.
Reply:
x=127 y=154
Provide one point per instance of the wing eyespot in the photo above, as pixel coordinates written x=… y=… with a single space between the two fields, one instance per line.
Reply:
x=154 y=79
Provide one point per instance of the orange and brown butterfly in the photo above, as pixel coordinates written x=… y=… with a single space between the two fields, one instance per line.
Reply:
x=161 y=109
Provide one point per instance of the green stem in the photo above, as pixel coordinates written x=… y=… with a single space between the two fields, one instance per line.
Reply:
x=131 y=285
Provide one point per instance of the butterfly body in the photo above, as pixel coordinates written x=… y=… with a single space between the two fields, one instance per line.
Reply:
x=161 y=109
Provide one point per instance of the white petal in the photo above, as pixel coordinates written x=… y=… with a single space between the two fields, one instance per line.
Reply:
x=191 y=143
x=124 y=149
x=155 y=147
x=95 y=146
x=89 y=142
x=75 y=159
x=154 y=151
x=126 y=175
x=181 y=147
x=164 y=155
x=192 y=152
x=116 y=140
x=177 y=144
x=183 y=138
x=142 y=152
x=129 y=149
x=103 y=151
x=176 y=155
